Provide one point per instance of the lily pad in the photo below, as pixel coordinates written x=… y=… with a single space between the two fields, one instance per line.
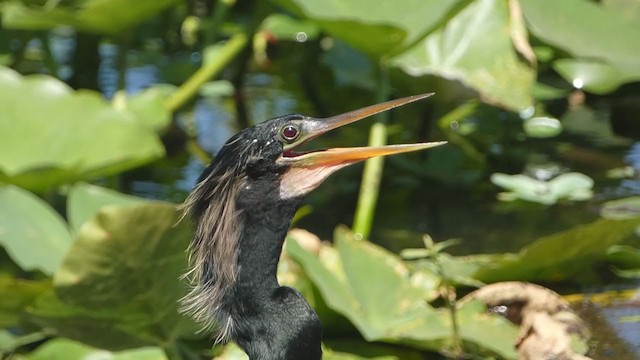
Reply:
x=33 y=234
x=68 y=135
x=148 y=105
x=119 y=284
x=621 y=209
x=85 y=200
x=475 y=47
x=542 y=127
x=594 y=76
x=570 y=186
x=94 y=16
x=375 y=291
x=64 y=349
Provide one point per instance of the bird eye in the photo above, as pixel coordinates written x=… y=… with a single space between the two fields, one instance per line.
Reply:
x=289 y=133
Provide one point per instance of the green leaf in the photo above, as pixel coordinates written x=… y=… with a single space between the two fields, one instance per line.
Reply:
x=287 y=28
x=559 y=256
x=149 y=106
x=542 y=127
x=85 y=200
x=626 y=259
x=571 y=186
x=65 y=349
x=34 y=235
x=585 y=29
x=375 y=291
x=119 y=284
x=68 y=135
x=17 y=295
x=493 y=333
x=475 y=48
x=594 y=76
x=94 y=16
x=376 y=30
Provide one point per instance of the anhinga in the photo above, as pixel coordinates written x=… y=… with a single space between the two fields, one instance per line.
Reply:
x=242 y=207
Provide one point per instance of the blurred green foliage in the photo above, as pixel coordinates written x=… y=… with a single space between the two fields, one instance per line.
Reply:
x=91 y=271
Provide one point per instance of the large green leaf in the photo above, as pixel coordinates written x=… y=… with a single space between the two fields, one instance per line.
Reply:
x=605 y=40
x=377 y=30
x=119 y=284
x=148 y=105
x=50 y=134
x=85 y=200
x=475 y=47
x=558 y=256
x=65 y=349
x=33 y=234
x=375 y=291
x=95 y=16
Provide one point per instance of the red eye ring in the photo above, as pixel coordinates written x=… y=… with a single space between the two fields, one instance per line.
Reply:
x=289 y=133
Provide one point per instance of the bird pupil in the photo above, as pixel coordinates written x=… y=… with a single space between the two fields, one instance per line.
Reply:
x=290 y=132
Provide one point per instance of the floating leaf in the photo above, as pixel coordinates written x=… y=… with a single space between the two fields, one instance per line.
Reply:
x=65 y=349
x=67 y=136
x=571 y=186
x=542 y=127
x=85 y=200
x=94 y=16
x=35 y=236
x=475 y=48
x=621 y=209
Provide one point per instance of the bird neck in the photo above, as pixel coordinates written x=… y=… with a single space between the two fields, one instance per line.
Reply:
x=265 y=228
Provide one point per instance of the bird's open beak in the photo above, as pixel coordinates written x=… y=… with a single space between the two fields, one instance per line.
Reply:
x=308 y=170
x=345 y=156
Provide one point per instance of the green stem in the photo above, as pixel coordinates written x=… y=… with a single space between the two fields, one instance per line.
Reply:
x=373 y=168
x=185 y=92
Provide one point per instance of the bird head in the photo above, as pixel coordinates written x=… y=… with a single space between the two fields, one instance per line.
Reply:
x=265 y=157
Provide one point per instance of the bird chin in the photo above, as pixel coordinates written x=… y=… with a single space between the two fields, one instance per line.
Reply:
x=299 y=181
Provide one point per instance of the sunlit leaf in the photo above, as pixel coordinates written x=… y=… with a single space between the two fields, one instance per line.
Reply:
x=542 y=127
x=119 y=284
x=65 y=349
x=149 y=106
x=593 y=76
x=287 y=28
x=33 y=234
x=94 y=16
x=570 y=186
x=376 y=30
x=67 y=135
x=85 y=200
x=475 y=48
x=585 y=29
x=376 y=292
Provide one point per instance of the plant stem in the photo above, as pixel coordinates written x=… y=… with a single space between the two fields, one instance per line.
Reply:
x=372 y=174
x=208 y=70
